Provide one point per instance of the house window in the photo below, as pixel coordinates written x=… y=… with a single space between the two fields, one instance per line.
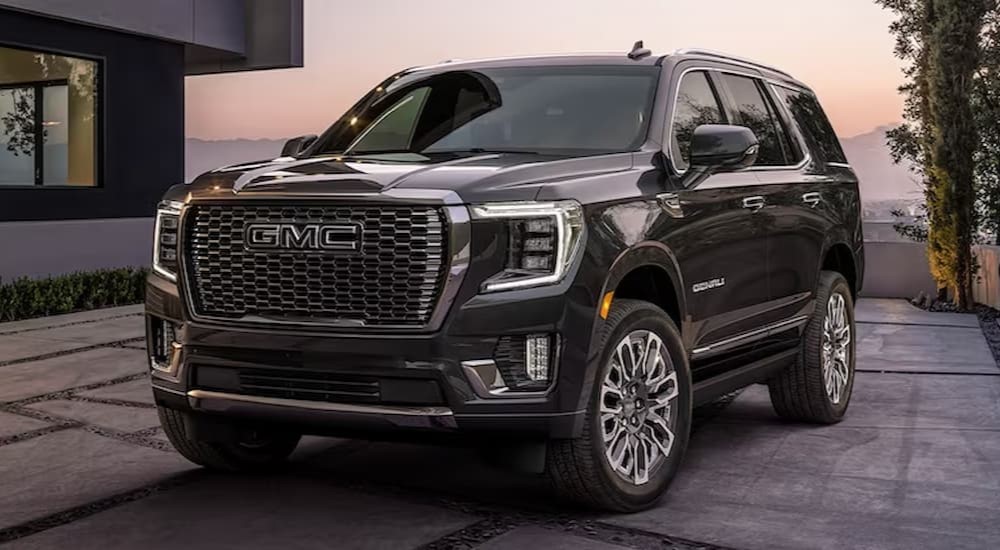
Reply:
x=48 y=119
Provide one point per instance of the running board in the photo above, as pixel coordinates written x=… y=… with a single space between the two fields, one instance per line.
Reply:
x=709 y=390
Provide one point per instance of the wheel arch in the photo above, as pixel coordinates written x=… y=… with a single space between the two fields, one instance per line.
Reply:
x=648 y=271
x=839 y=257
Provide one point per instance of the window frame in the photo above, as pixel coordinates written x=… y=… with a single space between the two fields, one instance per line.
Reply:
x=771 y=107
x=100 y=116
x=720 y=100
x=765 y=85
x=793 y=121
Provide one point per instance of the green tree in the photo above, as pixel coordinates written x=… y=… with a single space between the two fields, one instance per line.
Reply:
x=986 y=107
x=941 y=43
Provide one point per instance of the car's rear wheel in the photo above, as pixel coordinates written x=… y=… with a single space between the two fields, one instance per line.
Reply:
x=250 y=449
x=818 y=387
x=638 y=418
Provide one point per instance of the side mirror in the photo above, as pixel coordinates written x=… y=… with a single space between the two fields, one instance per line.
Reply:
x=723 y=148
x=295 y=146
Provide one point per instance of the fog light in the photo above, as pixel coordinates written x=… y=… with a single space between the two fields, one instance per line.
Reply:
x=163 y=346
x=536 y=357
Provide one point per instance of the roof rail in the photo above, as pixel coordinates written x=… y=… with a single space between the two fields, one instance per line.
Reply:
x=728 y=57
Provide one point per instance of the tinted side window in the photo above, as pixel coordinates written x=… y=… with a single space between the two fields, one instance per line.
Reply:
x=696 y=104
x=812 y=120
x=756 y=113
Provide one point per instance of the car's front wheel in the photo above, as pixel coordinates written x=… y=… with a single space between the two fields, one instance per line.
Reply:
x=638 y=419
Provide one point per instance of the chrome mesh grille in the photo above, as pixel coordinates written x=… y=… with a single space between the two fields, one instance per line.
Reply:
x=394 y=280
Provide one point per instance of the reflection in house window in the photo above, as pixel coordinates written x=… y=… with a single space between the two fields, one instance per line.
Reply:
x=48 y=119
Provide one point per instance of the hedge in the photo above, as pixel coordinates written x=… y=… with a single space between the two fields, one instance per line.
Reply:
x=25 y=298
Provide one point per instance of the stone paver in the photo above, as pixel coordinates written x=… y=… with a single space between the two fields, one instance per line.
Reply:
x=24 y=380
x=69 y=318
x=267 y=512
x=916 y=463
x=98 y=332
x=16 y=347
x=61 y=470
x=138 y=391
x=13 y=424
x=126 y=419
x=883 y=311
x=918 y=348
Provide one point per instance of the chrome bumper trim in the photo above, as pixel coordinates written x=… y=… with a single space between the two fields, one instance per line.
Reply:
x=195 y=396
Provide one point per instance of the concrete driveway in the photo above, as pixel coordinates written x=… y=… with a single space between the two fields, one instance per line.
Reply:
x=916 y=463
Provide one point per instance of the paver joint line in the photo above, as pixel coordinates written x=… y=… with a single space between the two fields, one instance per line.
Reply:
x=898 y=324
x=73 y=324
x=54 y=354
x=64 y=517
x=69 y=392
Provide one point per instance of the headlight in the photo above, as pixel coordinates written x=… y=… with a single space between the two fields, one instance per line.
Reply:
x=544 y=239
x=168 y=215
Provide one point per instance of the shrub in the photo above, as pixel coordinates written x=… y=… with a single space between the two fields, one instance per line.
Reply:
x=25 y=298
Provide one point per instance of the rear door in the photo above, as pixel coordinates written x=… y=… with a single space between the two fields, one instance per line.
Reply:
x=813 y=202
x=793 y=210
x=716 y=235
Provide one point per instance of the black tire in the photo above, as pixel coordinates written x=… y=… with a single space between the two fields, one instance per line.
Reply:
x=799 y=392
x=578 y=468
x=266 y=452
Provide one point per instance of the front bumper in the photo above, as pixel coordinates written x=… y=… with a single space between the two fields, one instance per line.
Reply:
x=470 y=332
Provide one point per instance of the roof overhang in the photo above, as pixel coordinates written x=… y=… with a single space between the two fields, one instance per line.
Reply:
x=218 y=35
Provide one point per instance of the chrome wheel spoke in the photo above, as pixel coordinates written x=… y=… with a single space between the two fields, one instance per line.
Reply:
x=637 y=419
x=836 y=348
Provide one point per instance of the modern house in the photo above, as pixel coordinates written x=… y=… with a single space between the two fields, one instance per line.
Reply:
x=92 y=116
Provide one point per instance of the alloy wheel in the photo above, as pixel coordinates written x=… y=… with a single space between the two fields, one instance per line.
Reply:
x=638 y=416
x=836 y=348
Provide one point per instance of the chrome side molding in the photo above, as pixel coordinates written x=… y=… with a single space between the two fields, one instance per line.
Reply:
x=756 y=334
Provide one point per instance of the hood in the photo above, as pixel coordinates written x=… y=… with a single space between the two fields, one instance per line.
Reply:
x=465 y=179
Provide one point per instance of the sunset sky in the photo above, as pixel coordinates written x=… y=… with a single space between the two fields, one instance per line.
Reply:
x=842 y=48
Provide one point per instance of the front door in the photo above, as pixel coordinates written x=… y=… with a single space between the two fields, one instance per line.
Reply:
x=716 y=232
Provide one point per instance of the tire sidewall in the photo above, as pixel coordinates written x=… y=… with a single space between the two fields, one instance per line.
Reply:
x=642 y=316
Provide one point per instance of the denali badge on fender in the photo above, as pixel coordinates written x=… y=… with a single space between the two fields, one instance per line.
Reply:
x=303 y=236
x=708 y=285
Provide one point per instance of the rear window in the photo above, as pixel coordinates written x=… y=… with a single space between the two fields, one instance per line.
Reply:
x=812 y=121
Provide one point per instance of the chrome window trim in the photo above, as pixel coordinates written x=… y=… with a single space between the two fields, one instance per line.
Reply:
x=729 y=58
x=668 y=148
x=459 y=227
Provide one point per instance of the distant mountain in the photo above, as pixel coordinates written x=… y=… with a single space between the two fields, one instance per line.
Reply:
x=881 y=179
x=204 y=155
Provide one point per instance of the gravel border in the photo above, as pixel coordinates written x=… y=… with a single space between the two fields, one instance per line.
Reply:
x=989 y=321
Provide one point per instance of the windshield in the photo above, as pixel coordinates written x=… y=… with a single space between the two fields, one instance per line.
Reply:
x=542 y=110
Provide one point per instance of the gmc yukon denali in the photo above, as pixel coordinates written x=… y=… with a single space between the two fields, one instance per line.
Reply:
x=561 y=254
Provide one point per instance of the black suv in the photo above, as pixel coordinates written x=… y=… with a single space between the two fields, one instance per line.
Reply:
x=561 y=255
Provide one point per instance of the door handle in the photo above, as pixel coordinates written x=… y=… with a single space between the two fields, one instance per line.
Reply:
x=671 y=203
x=754 y=203
x=812 y=199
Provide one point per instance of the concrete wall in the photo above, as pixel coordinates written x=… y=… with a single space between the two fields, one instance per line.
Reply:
x=897 y=270
x=40 y=249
